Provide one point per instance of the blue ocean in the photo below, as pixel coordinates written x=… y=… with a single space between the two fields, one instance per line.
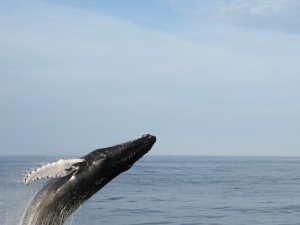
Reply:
x=173 y=190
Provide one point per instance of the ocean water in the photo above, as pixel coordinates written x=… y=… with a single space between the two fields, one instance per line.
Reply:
x=174 y=190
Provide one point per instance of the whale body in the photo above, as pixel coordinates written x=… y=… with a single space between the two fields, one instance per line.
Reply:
x=74 y=181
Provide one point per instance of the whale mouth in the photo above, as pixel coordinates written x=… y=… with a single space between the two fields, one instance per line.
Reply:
x=123 y=155
x=137 y=148
x=127 y=154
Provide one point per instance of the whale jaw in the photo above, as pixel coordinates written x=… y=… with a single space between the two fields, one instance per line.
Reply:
x=124 y=155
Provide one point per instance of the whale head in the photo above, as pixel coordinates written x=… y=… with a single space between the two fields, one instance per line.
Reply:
x=109 y=162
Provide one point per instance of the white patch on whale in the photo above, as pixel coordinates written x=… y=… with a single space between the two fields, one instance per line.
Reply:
x=60 y=168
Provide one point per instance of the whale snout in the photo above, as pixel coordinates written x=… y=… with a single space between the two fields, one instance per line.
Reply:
x=148 y=137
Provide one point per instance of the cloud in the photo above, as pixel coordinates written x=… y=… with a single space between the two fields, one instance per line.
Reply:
x=72 y=79
x=280 y=15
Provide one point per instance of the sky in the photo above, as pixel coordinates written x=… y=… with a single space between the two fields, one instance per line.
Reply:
x=209 y=77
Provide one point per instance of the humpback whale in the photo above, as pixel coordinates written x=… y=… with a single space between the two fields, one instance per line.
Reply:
x=74 y=181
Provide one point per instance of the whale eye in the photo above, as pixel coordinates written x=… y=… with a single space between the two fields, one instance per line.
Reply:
x=107 y=157
x=100 y=159
x=104 y=157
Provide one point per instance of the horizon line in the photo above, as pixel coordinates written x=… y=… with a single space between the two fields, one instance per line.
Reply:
x=167 y=155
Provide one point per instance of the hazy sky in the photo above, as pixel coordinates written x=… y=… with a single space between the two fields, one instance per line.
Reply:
x=209 y=77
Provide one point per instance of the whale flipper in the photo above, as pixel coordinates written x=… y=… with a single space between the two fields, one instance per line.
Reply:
x=60 y=168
